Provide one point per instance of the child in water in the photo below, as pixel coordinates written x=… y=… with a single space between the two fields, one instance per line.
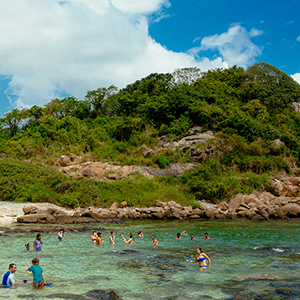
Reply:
x=140 y=234
x=154 y=241
x=38 y=275
x=61 y=235
x=27 y=247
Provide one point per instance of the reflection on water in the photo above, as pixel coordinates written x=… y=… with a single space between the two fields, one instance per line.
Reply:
x=250 y=260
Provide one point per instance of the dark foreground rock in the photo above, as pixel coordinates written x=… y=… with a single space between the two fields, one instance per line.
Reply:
x=94 y=294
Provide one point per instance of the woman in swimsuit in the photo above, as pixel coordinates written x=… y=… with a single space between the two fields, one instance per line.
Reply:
x=200 y=258
x=94 y=237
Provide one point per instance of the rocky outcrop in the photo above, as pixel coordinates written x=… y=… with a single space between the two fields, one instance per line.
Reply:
x=280 y=202
x=108 y=172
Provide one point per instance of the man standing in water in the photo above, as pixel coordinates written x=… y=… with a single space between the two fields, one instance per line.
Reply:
x=112 y=238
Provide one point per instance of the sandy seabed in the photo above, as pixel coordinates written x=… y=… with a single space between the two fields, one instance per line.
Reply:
x=9 y=211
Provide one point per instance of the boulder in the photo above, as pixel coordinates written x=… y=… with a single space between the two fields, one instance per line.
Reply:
x=222 y=206
x=36 y=218
x=173 y=204
x=280 y=201
x=107 y=214
x=63 y=161
x=198 y=212
x=292 y=190
x=64 y=219
x=114 y=206
x=294 y=180
x=158 y=215
x=30 y=209
x=175 y=213
x=51 y=210
x=123 y=204
x=194 y=217
x=235 y=203
x=266 y=197
x=278 y=188
x=273 y=211
x=132 y=214
x=290 y=210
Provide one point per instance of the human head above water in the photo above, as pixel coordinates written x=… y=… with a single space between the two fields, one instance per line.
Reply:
x=38 y=236
x=178 y=234
x=12 y=267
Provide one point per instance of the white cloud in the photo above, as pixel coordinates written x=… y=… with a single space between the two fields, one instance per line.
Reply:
x=52 y=47
x=296 y=77
x=139 y=6
x=298 y=38
x=234 y=46
x=255 y=32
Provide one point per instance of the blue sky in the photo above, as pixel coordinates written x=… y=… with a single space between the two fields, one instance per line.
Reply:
x=54 y=48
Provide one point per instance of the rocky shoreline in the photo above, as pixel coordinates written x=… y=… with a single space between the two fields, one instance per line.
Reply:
x=280 y=202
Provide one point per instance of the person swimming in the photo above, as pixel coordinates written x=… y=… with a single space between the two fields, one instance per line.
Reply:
x=27 y=247
x=206 y=237
x=140 y=234
x=200 y=259
x=178 y=237
x=192 y=237
x=184 y=233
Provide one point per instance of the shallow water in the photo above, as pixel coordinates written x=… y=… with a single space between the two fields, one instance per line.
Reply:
x=240 y=252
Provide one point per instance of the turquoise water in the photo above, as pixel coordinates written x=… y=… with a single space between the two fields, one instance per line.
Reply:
x=240 y=252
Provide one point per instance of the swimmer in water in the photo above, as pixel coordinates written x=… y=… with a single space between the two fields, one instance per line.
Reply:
x=99 y=239
x=178 y=237
x=200 y=259
x=112 y=238
x=140 y=234
x=94 y=236
x=206 y=237
x=184 y=233
x=154 y=241
x=37 y=243
x=192 y=237
x=130 y=241
x=27 y=247
x=61 y=235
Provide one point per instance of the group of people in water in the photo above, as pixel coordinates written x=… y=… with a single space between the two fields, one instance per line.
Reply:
x=37 y=272
x=200 y=256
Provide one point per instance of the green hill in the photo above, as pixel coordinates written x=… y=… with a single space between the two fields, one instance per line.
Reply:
x=250 y=111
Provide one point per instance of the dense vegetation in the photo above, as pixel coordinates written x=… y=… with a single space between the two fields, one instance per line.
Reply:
x=247 y=109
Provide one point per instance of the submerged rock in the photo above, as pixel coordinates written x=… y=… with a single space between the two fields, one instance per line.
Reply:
x=245 y=277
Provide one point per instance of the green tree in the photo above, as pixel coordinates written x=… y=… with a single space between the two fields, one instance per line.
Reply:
x=274 y=88
x=98 y=98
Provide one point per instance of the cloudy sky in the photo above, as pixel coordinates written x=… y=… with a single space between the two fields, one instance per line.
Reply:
x=51 y=48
